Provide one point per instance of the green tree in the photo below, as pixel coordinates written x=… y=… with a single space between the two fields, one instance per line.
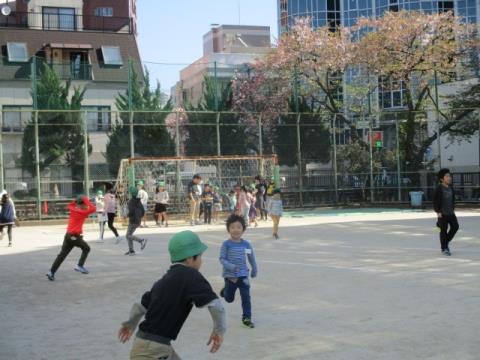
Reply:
x=202 y=139
x=60 y=130
x=314 y=135
x=150 y=134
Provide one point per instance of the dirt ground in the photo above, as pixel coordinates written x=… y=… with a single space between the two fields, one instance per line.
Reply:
x=355 y=286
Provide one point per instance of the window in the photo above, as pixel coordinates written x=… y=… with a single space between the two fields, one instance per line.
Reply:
x=111 y=55
x=104 y=11
x=16 y=117
x=445 y=6
x=98 y=118
x=58 y=18
x=391 y=93
x=17 y=52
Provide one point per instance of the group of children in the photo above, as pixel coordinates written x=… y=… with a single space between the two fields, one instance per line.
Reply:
x=167 y=305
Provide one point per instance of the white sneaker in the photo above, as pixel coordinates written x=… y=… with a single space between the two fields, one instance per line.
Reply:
x=81 y=269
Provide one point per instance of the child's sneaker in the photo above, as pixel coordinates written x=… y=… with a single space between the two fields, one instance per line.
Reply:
x=143 y=243
x=130 y=253
x=50 y=276
x=81 y=269
x=276 y=237
x=248 y=322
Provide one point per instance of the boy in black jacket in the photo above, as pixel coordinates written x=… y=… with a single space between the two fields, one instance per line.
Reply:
x=167 y=305
x=136 y=212
x=444 y=206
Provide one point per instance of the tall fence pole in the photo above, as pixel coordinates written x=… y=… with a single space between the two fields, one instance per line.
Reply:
x=85 y=156
x=2 y=179
x=335 y=170
x=177 y=154
x=399 y=177
x=370 y=147
x=130 y=108
x=299 y=161
x=219 y=149
x=37 y=167
x=437 y=115
x=215 y=74
x=260 y=147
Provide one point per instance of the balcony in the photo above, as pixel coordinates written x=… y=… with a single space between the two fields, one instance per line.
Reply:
x=73 y=71
x=63 y=21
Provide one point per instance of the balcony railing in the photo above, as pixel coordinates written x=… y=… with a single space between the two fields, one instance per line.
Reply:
x=72 y=71
x=66 y=22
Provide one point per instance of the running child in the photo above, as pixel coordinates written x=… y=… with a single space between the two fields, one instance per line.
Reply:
x=233 y=257
x=79 y=209
x=167 y=305
x=161 y=201
x=232 y=201
x=110 y=203
x=100 y=205
x=136 y=212
x=8 y=215
x=275 y=209
x=444 y=206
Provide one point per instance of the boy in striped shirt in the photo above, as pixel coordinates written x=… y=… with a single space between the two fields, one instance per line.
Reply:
x=233 y=257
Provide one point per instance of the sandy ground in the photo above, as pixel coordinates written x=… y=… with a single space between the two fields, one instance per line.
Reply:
x=350 y=287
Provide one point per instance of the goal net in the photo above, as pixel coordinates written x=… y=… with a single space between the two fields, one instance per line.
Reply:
x=174 y=173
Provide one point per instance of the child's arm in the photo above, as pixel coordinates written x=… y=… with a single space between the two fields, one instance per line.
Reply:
x=224 y=259
x=217 y=312
x=136 y=314
x=253 y=262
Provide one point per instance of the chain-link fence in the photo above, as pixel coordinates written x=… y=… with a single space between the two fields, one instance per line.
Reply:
x=48 y=157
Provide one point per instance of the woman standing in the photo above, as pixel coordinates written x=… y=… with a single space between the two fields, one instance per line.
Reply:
x=7 y=216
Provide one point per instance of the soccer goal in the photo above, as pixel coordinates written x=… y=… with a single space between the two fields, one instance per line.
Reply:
x=174 y=173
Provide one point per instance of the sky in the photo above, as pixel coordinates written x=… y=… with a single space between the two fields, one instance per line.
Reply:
x=170 y=32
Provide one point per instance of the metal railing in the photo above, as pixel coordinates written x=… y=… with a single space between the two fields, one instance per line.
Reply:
x=66 y=22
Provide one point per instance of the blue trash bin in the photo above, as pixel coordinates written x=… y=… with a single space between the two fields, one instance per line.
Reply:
x=416 y=198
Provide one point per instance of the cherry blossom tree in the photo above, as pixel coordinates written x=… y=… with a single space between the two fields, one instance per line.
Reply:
x=416 y=49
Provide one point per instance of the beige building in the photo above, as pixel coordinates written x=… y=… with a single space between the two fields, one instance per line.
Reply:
x=226 y=48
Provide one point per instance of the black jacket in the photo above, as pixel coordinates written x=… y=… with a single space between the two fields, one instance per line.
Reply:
x=437 y=199
x=135 y=211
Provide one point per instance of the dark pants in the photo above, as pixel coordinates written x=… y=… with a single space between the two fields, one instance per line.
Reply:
x=69 y=242
x=9 y=231
x=111 y=219
x=446 y=235
x=207 y=211
x=244 y=286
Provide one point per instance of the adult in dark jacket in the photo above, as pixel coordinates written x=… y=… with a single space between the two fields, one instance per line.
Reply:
x=136 y=212
x=7 y=216
x=444 y=206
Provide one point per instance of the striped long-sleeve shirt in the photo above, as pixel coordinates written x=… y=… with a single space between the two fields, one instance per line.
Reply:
x=233 y=257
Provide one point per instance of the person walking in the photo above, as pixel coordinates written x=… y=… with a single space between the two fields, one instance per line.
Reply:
x=79 y=209
x=275 y=209
x=8 y=216
x=143 y=196
x=444 y=206
x=110 y=209
x=136 y=212
x=194 y=194
x=100 y=205
x=261 y=194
